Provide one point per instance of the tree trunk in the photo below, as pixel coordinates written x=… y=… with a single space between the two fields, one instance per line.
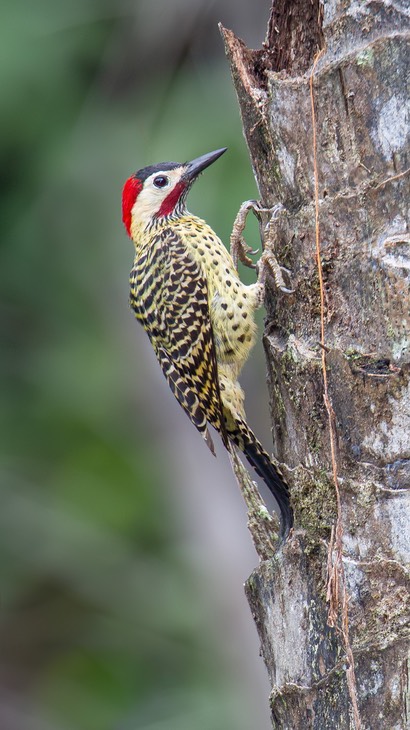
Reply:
x=328 y=138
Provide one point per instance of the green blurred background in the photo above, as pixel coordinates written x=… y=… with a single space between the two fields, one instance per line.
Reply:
x=123 y=544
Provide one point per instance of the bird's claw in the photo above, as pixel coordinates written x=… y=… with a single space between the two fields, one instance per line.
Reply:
x=241 y=251
x=268 y=266
x=286 y=291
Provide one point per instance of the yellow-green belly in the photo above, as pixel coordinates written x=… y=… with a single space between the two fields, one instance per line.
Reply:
x=231 y=303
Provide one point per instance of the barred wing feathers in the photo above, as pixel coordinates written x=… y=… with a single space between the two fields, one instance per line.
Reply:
x=169 y=295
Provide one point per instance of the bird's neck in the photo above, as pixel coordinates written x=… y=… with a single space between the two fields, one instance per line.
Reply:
x=142 y=229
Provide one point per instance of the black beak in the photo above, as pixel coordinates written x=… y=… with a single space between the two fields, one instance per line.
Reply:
x=196 y=166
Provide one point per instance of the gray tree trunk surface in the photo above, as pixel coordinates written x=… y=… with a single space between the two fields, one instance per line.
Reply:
x=328 y=137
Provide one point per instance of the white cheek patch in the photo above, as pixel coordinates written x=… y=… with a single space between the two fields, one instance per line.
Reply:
x=150 y=198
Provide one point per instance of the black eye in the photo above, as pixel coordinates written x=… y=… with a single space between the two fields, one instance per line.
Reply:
x=160 y=181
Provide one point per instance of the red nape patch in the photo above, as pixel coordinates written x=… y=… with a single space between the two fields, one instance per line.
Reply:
x=130 y=192
x=169 y=203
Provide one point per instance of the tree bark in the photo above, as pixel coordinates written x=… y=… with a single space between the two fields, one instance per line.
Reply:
x=328 y=138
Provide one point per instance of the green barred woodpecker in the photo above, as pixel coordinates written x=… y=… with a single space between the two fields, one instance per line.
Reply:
x=199 y=316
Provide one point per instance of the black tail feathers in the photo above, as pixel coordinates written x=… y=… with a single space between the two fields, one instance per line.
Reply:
x=263 y=466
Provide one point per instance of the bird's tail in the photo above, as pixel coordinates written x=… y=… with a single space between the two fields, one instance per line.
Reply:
x=260 y=461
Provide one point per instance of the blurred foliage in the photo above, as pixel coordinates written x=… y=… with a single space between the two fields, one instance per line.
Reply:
x=101 y=624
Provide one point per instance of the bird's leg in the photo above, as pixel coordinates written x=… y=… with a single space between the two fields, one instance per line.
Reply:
x=239 y=249
x=268 y=263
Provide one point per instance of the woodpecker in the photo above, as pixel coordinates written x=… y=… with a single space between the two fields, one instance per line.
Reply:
x=186 y=293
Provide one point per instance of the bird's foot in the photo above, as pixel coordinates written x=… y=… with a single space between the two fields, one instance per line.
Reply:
x=240 y=251
x=268 y=266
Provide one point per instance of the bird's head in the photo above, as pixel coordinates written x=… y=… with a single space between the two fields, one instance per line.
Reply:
x=159 y=191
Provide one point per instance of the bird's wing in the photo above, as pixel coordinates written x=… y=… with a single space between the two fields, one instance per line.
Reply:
x=169 y=295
